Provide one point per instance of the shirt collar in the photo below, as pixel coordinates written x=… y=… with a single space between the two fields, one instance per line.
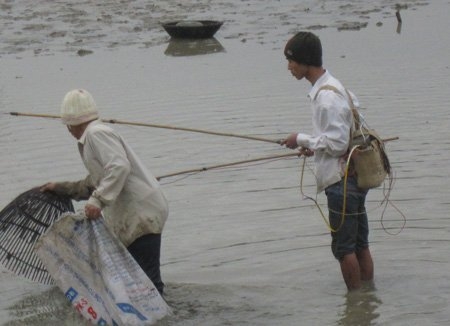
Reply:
x=83 y=136
x=319 y=83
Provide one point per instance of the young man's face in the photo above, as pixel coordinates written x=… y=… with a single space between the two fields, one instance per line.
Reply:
x=297 y=70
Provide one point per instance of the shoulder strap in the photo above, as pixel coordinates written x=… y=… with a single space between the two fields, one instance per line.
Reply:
x=350 y=101
x=329 y=88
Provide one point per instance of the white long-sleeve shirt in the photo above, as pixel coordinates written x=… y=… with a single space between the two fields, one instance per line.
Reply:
x=130 y=196
x=331 y=123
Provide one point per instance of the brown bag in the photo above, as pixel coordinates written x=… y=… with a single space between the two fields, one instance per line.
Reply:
x=367 y=155
x=370 y=162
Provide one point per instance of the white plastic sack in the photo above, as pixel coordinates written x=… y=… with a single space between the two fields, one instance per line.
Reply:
x=98 y=275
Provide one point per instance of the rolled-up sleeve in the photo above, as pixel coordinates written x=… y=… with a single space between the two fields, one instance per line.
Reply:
x=77 y=190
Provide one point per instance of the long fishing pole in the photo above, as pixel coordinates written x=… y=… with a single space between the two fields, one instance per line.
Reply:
x=115 y=121
x=218 y=166
x=143 y=124
x=132 y=123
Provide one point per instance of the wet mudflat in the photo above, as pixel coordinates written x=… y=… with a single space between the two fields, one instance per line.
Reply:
x=241 y=247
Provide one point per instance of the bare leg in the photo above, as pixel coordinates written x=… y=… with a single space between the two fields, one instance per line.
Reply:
x=351 y=271
x=365 y=264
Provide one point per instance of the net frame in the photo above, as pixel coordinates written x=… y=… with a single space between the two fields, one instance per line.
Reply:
x=21 y=224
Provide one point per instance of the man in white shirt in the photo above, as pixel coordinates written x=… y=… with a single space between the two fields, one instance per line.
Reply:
x=329 y=143
x=118 y=185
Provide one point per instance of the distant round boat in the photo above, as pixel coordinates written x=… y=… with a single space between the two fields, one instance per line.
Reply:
x=192 y=28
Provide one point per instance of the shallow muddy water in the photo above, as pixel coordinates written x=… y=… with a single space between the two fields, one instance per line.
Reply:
x=241 y=247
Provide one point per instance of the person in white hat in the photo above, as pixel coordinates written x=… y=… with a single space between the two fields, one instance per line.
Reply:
x=118 y=186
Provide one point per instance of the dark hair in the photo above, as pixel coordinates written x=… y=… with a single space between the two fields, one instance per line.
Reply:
x=304 y=48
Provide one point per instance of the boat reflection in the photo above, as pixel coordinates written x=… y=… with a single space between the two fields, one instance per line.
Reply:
x=190 y=47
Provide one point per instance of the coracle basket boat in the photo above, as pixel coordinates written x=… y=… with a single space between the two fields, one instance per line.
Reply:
x=192 y=29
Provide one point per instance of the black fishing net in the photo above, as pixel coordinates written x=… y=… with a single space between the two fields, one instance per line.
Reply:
x=21 y=223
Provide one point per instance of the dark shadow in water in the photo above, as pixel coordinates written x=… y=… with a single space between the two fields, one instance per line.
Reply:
x=399 y=19
x=399 y=28
x=191 y=47
x=360 y=308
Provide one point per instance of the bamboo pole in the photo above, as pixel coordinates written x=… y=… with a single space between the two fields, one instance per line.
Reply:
x=385 y=140
x=142 y=124
x=218 y=166
x=35 y=115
